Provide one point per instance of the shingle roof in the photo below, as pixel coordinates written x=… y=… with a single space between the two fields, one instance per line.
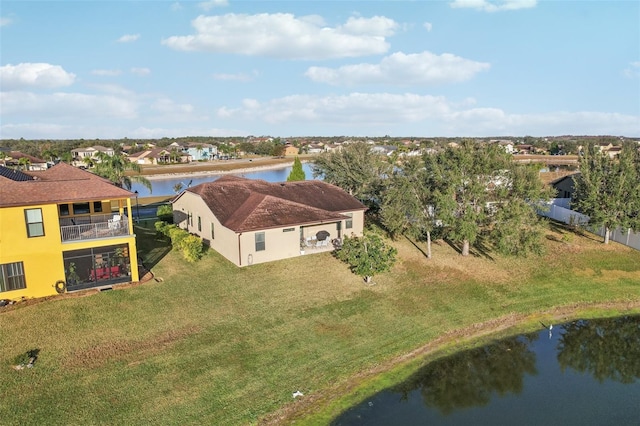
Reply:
x=247 y=205
x=61 y=183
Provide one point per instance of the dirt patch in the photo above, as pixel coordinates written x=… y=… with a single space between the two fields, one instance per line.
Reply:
x=308 y=405
x=98 y=355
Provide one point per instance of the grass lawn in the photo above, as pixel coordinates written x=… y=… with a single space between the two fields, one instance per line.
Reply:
x=210 y=343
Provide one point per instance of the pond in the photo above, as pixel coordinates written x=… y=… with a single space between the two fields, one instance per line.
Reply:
x=580 y=373
x=165 y=186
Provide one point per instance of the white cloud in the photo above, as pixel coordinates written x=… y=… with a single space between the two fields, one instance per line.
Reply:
x=36 y=75
x=5 y=21
x=210 y=4
x=67 y=105
x=128 y=38
x=283 y=35
x=243 y=77
x=494 y=5
x=167 y=106
x=140 y=71
x=176 y=6
x=377 y=113
x=428 y=26
x=633 y=70
x=106 y=73
x=401 y=69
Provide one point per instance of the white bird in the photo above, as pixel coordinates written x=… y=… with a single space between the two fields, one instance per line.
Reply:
x=297 y=394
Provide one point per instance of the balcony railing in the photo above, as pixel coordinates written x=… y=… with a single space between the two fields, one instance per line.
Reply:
x=109 y=227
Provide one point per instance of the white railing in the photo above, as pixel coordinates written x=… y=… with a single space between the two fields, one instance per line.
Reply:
x=109 y=228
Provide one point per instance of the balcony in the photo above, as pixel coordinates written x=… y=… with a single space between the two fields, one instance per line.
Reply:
x=93 y=227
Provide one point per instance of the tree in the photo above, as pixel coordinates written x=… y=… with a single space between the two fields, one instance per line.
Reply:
x=297 y=173
x=178 y=187
x=479 y=191
x=607 y=189
x=356 y=169
x=462 y=179
x=407 y=207
x=23 y=163
x=516 y=229
x=116 y=168
x=367 y=255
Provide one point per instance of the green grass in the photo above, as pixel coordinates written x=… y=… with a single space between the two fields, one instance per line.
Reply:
x=216 y=344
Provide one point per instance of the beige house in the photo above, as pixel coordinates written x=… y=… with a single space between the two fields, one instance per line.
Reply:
x=254 y=221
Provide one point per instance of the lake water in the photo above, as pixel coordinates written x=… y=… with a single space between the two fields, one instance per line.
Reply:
x=165 y=186
x=582 y=373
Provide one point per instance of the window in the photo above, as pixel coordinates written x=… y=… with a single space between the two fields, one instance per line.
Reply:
x=288 y=229
x=213 y=235
x=12 y=276
x=35 y=226
x=260 y=245
x=64 y=209
x=199 y=224
x=190 y=219
x=348 y=224
x=81 y=208
x=97 y=206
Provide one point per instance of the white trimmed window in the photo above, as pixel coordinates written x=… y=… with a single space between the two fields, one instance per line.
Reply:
x=260 y=242
x=35 y=225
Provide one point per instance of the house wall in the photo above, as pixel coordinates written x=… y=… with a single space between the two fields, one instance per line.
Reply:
x=225 y=240
x=42 y=256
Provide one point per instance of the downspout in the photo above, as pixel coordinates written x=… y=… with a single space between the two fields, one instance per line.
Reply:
x=239 y=251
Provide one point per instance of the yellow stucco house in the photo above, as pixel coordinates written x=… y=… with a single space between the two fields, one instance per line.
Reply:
x=252 y=221
x=63 y=229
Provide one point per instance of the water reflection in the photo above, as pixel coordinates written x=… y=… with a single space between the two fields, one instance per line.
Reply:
x=470 y=378
x=608 y=349
x=584 y=373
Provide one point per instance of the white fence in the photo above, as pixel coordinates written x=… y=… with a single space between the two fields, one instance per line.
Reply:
x=561 y=214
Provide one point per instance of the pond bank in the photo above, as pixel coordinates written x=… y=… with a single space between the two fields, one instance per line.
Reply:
x=324 y=406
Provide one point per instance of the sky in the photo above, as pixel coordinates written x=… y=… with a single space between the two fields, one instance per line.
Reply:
x=456 y=68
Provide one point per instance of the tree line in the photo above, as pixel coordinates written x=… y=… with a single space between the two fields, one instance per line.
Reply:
x=475 y=196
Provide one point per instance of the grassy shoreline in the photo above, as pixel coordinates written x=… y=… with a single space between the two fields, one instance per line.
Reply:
x=209 y=343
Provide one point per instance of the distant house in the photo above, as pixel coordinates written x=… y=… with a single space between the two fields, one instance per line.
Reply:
x=18 y=160
x=63 y=228
x=79 y=154
x=565 y=186
x=201 y=151
x=159 y=156
x=523 y=149
x=384 y=149
x=315 y=148
x=290 y=150
x=254 y=221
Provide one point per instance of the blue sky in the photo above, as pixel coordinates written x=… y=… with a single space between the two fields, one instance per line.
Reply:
x=152 y=69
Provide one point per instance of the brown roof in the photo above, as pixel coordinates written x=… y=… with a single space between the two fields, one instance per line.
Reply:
x=61 y=183
x=247 y=205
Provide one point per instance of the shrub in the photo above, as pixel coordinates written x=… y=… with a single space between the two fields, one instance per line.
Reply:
x=177 y=235
x=165 y=213
x=192 y=248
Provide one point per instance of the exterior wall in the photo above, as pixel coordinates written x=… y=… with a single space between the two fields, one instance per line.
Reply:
x=225 y=240
x=42 y=256
x=278 y=245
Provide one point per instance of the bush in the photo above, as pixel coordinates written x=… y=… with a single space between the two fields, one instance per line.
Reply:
x=165 y=213
x=192 y=249
x=190 y=245
x=177 y=235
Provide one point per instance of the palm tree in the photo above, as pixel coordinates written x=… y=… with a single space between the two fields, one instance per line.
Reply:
x=23 y=163
x=115 y=167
